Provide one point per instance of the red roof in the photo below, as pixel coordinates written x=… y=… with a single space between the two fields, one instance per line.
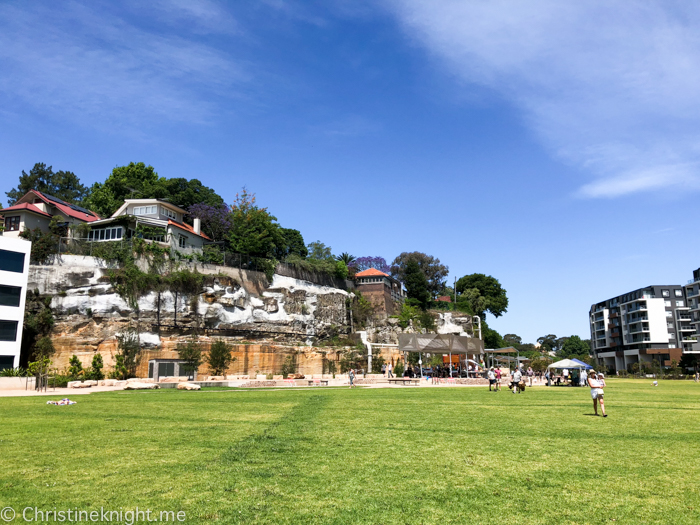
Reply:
x=63 y=207
x=25 y=206
x=187 y=228
x=371 y=272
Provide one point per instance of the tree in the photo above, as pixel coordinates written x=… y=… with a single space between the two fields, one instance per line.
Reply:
x=513 y=340
x=135 y=181
x=216 y=220
x=548 y=343
x=320 y=252
x=346 y=258
x=191 y=353
x=492 y=339
x=485 y=294
x=138 y=181
x=219 y=358
x=253 y=230
x=574 y=347
x=292 y=244
x=128 y=355
x=95 y=371
x=62 y=184
x=76 y=367
x=365 y=263
x=417 y=286
x=434 y=272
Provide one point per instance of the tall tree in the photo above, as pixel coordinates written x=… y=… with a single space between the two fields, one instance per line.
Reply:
x=434 y=272
x=416 y=284
x=365 y=263
x=138 y=181
x=548 y=343
x=216 y=220
x=492 y=339
x=62 y=184
x=292 y=244
x=320 y=252
x=485 y=294
x=253 y=230
x=134 y=181
x=513 y=340
x=574 y=346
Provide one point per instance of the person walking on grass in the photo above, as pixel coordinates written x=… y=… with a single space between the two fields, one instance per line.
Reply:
x=530 y=374
x=498 y=379
x=389 y=368
x=517 y=377
x=597 y=383
x=492 y=379
x=351 y=376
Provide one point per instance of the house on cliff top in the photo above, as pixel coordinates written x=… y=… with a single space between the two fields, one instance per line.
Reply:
x=163 y=221
x=36 y=209
x=382 y=290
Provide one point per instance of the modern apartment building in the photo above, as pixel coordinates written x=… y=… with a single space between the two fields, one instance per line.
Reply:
x=14 y=269
x=639 y=326
x=692 y=293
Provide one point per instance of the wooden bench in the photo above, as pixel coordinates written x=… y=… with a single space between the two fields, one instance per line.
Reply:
x=405 y=381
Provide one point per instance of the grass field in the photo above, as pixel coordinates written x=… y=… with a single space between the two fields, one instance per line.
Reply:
x=324 y=455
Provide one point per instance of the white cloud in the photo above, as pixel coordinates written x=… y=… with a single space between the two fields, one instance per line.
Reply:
x=94 y=67
x=609 y=86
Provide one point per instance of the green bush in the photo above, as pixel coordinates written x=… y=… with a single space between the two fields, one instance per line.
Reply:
x=398 y=369
x=75 y=370
x=219 y=358
x=13 y=372
x=95 y=371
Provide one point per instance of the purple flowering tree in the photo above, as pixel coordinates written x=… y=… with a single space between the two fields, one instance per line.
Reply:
x=365 y=263
x=216 y=220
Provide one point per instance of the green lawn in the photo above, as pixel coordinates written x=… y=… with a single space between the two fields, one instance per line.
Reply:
x=443 y=455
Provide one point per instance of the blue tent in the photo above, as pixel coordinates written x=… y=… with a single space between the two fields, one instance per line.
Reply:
x=587 y=367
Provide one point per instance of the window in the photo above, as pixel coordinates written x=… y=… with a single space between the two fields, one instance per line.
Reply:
x=10 y=295
x=12 y=224
x=182 y=241
x=11 y=261
x=166 y=370
x=667 y=303
x=678 y=293
x=145 y=210
x=169 y=213
x=671 y=335
x=6 y=361
x=106 y=234
x=669 y=314
x=679 y=303
x=665 y=293
x=8 y=330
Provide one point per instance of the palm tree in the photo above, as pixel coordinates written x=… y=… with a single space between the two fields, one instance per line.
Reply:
x=346 y=258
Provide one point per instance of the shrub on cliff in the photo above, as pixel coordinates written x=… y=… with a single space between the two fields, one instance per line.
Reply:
x=128 y=356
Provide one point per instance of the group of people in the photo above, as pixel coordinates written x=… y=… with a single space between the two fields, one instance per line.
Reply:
x=387 y=370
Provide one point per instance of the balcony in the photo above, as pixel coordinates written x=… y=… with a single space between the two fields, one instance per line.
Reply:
x=687 y=329
x=693 y=293
x=639 y=307
x=614 y=315
x=638 y=329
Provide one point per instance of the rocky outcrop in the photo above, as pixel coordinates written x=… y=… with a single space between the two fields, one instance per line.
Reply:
x=285 y=317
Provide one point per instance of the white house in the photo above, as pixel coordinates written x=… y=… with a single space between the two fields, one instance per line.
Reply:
x=14 y=269
x=163 y=220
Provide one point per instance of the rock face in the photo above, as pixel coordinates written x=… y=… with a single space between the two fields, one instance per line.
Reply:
x=285 y=316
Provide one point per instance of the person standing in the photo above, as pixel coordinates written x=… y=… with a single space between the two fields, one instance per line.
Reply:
x=584 y=378
x=351 y=376
x=498 y=379
x=389 y=368
x=597 y=392
x=517 y=377
x=530 y=374
x=492 y=379
x=384 y=369
x=548 y=377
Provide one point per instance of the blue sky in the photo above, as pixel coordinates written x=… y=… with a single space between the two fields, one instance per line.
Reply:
x=552 y=145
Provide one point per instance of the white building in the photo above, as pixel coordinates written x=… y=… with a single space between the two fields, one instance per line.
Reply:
x=14 y=269
x=651 y=323
x=163 y=220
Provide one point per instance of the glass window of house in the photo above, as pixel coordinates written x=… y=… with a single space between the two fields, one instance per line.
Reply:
x=8 y=330
x=11 y=261
x=169 y=213
x=12 y=223
x=669 y=314
x=182 y=241
x=665 y=293
x=679 y=303
x=667 y=303
x=10 y=295
x=679 y=293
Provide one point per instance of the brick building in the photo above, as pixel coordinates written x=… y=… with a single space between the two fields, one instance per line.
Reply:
x=382 y=290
